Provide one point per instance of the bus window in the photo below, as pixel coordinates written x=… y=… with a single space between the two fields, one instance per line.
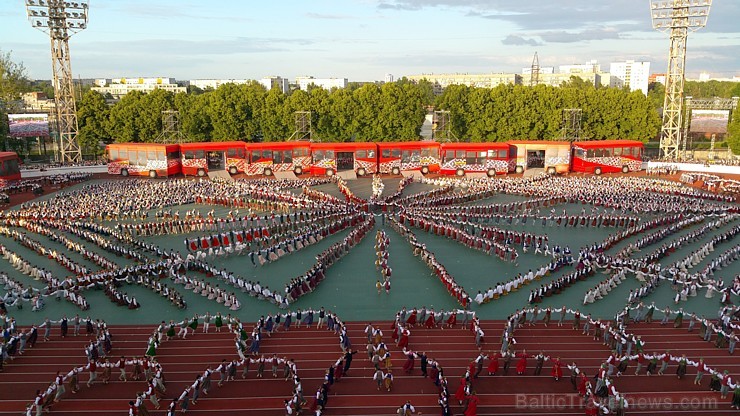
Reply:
x=415 y=155
x=449 y=155
x=189 y=154
x=113 y=154
x=231 y=152
x=318 y=155
x=579 y=153
x=255 y=156
x=608 y=152
x=590 y=153
x=200 y=154
x=277 y=157
x=330 y=154
x=161 y=155
x=627 y=151
x=396 y=153
x=617 y=151
x=361 y=154
x=173 y=155
x=371 y=153
x=301 y=151
x=405 y=156
x=11 y=166
x=267 y=154
x=287 y=156
x=142 y=158
x=427 y=152
x=636 y=152
x=151 y=155
x=123 y=154
x=460 y=154
x=491 y=154
x=470 y=158
x=502 y=153
x=386 y=153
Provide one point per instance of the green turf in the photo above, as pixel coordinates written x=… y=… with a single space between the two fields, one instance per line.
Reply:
x=349 y=287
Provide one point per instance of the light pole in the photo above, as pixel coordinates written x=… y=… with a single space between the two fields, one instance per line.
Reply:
x=678 y=18
x=60 y=20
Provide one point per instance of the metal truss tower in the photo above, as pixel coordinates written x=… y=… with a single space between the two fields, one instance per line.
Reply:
x=572 y=124
x=302 y=126
x=60 y=20
x=442 y=127
x=170 y=128
x=534 y=75
x=716 y=103
x=678 y=18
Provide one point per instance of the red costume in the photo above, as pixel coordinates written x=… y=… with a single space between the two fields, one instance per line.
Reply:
x=521 y=365
x=493 y=365
x=460 y=393
x=557 y=370
x=411 y=319
x=472 y=409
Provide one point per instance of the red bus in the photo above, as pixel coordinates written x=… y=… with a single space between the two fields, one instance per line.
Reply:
x=405 y=156
x=552 y=156
x=607 y=156
x=201 y=157
x=143 y=159
x=267 y=158
x=490 y=158
x=9 y=167
x=330 y=158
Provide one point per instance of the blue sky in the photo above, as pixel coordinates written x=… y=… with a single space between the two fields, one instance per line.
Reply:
x=363 y=39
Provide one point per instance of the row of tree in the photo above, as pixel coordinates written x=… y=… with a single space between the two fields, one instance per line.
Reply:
x=393 y=111
x=388 y=112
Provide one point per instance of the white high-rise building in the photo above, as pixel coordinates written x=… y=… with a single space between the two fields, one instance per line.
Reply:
x=630 y=74
x=590 y=67
x=388 y=78
x=274 y=82
x=325 y=83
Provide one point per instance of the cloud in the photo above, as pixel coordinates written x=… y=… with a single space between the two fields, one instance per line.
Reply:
x=562 y=36
x=326 y=16
x=399 y=6
x=519 y=40
x=567 y=14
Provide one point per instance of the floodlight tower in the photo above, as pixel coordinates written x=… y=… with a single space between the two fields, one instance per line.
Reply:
x=677 y=17
x=60 y=20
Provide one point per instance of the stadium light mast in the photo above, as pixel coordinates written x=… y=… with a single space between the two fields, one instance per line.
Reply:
x=678 y=18
x=60 y=20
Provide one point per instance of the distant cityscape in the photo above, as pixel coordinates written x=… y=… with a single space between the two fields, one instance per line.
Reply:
x=634 y=75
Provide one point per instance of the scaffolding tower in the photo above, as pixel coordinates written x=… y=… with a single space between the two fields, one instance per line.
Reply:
x=572 y=124
x=716 y=103
x=442 y=127
x=170 y=128
x=302 y=126
x=60 y=20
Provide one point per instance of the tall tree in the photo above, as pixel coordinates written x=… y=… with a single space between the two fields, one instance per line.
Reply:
x=13 y=82
x=92 y=116
x=13 y=78
x=733 y=132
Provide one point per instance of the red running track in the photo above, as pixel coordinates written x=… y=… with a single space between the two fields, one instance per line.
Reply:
x=356 y=394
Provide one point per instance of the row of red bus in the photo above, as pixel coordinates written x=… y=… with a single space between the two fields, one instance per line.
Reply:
x=367 y=158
